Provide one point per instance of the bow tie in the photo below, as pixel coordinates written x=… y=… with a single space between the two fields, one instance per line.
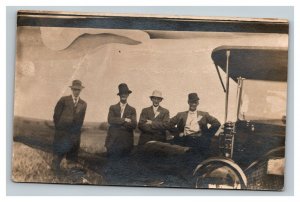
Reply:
x=190 y=112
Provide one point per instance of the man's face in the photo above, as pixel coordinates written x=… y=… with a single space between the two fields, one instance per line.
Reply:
x=193 y=105
x=156 y=101
x=123 y=97
x=76 y=92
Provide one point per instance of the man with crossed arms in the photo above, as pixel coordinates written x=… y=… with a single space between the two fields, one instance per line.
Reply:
x=153 y=119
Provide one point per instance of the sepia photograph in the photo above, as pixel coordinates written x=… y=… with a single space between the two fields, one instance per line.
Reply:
x=150 y=101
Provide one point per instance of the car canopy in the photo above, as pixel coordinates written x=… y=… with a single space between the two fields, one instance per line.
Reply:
x=257 y=63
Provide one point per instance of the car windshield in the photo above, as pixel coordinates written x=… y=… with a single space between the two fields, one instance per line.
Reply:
x=263 y=100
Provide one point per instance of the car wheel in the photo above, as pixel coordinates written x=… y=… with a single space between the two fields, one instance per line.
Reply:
x=219 y=173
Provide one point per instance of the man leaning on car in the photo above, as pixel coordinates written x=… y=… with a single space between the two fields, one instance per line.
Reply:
x=190 y=128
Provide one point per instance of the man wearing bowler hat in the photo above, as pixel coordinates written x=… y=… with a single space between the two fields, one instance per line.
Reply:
x=122 y=122
x=153 y=120
x=190 y=128
x=68 y=119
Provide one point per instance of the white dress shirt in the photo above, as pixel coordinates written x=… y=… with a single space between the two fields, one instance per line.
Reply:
x=155 y=110
x=122 y=108
x=75 y=99
x=192 y=125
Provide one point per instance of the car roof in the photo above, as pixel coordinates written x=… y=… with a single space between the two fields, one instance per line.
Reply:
x=253 y=62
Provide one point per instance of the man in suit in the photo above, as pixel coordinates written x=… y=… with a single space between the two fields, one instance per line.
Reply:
x=190 y=128
x=153 y=120
x=122 y=122
x=68 y=119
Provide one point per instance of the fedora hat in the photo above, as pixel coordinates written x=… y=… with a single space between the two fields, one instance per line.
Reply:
x=193 y=97
x=76 y=84
x=123 y=88
x=156 y=93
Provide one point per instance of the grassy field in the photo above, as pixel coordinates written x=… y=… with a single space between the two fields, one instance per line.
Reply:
x=32 y=158
x=33 y=165
x=40 y=133
x=164 y=167
x=32 y=154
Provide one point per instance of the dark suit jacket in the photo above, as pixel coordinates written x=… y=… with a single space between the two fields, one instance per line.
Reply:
x=177 y=123
x=68 y=120
x=67 y=116
x=157 y=130
x=120 y=133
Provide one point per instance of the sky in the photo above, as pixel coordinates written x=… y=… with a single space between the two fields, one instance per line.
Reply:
x=49 y=58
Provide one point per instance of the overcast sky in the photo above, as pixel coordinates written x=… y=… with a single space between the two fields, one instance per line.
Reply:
x=48 y=59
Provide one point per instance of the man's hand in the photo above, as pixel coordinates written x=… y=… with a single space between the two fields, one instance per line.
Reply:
x=170 y=137
x=148 y=122
x=127 y=120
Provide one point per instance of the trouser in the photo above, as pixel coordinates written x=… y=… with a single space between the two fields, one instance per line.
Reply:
x=146 y=137
x=195 y=142
x=119 y=142
x=116 y=153
x=65 y=144
x=72 y=155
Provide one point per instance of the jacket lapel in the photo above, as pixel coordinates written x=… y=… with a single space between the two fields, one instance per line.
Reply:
x=125 y=111
x=182 y=121
x=70 y=102
x=118 y=110
x=199 y=116
x=158 y=112
x=184 y=117
x=151 y=113
x=79 y=105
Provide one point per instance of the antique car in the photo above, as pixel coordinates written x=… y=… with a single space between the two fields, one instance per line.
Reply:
x=249 y=152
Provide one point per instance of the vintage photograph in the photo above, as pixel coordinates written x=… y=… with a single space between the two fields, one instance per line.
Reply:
x=151 y=101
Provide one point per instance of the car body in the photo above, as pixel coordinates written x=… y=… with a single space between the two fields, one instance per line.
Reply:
x=255 y=141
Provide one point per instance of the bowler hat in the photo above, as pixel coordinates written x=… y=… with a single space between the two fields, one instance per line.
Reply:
x=123 y=89
x=76 y=84
x=193 y=97
x=156 y=93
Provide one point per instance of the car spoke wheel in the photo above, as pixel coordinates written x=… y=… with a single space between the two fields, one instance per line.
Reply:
x=219 y=174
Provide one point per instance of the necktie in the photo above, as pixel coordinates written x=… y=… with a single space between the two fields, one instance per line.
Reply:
x=156 y=112
x=75 y=101
x=122 y=110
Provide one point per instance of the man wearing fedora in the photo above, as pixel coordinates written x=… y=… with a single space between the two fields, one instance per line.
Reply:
x=68 y=119
x=153 y=120
x=190 y=128
x=122 y=122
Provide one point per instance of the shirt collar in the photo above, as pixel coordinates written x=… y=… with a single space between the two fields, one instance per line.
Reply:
x=123 y=105
x=193 y=112
x=155 y=108
x=73 y=97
